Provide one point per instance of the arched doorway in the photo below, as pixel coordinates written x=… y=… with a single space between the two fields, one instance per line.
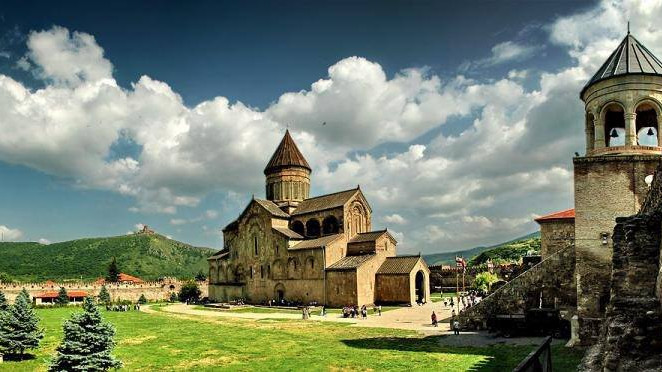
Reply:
x=420 y=286
x=279 y=292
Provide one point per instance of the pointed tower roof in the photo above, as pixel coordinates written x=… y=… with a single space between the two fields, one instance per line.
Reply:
x=286 y=155
x=630 y=58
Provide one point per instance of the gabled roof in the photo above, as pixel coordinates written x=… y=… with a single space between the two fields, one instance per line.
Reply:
x=350 y=262
x=272 y=208
x=368 y=236
x=54 y=294
x=287 y=154
x=220 y=254
x=629 y=58
x=399 y=265
x=568 y=214
x=268 y=205
x=287 y=232
x=316 y=243
x=128 y=278
x=322 y=202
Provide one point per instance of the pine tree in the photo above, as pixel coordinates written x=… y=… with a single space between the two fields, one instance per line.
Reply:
x=4 y=304
x=19 y=328
x=142 y=300
x=24 y=293
x=87 y=342
x=104 y=296
x=62 y=297
x=113 y=272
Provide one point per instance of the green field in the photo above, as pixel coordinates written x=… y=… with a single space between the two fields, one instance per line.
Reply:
x=165 y=341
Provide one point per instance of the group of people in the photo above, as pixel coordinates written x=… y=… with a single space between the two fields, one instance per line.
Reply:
x=355 y=312
x=122 y=308
x=466 y=300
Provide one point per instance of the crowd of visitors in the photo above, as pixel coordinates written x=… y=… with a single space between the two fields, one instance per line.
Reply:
x=122 y=308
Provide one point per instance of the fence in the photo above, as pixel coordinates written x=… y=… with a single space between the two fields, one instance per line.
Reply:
x=539 y=360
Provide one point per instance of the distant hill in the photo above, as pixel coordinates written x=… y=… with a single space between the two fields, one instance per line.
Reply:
x=147 y=256
x=507 y=250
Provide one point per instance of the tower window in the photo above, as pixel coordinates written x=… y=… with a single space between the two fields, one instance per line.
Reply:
x=647 y=126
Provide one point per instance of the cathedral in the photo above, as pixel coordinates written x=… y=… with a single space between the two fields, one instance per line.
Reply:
x=291 y=247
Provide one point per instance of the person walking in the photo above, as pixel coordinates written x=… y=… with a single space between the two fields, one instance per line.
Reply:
x=456 y=326
x=434 y=319
x=379 y=310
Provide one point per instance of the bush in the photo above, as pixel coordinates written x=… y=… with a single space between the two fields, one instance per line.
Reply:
x=62 y=297
x=173 y=297
x=142 y=300
x=104 y=296
x=189 y=292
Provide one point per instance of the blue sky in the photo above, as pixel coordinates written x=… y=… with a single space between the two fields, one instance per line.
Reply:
x=164 y=114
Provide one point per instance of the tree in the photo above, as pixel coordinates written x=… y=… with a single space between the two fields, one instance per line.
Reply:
x=142 y=299
x=6 y=278
x=200 y=276
x=19 y=328
x=189 y=292
x=113 y=272
x=484 y=280
x=87 y=342
x=104 y=296
x=4 y=304
x=24 y=293
x=173 y=297
x=62 y=297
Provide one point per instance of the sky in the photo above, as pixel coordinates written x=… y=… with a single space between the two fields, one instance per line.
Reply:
x=458 y=119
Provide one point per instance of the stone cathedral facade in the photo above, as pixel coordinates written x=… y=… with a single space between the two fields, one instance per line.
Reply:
x=292 y=247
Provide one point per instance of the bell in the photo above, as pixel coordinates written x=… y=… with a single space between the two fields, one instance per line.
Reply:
x=650 y=132
x=613 y=133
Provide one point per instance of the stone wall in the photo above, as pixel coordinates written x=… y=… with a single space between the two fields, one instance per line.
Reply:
x=631 y=335
x=153 y=291
x=555 y=234
x=606 y=187
x=341 y=288
x=393 y=288
x=553 y=277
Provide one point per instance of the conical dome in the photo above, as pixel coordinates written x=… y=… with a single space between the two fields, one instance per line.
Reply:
x=286 y=155
x=630 y=58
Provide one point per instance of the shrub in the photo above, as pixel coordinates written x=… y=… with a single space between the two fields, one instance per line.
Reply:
x=104 y=296
x=62 y=297
x=142 y=299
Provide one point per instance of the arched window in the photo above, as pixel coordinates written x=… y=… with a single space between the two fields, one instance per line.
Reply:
x=255 y=244
x=297 y=227
x=614 y=118
x=330 y=225
x=647 y=126
x=313 y=228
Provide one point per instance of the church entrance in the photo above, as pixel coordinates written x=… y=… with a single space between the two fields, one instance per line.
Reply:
x=420 y=286
x=279 y=292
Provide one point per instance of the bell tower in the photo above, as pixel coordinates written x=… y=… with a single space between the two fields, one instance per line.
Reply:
x=287 y=175
x=623 y=110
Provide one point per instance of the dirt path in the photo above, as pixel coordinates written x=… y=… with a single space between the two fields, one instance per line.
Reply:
x=415 y=318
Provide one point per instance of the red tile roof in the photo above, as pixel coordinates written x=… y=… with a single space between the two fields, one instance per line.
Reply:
x=561 y=215
x=128 y=278
x=53 y=294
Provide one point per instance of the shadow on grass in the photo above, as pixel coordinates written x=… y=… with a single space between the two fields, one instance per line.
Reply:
x=498 y=357
x=18 y=357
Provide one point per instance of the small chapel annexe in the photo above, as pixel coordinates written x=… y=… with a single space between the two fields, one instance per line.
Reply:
x=300 y=249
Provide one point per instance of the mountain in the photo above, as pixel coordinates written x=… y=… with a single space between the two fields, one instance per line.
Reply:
x=147 y=256
x=498 y=251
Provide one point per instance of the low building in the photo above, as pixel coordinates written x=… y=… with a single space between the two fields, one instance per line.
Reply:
x=48 y=297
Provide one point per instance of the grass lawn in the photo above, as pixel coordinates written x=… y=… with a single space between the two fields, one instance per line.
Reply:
x=165 y=341
x=436 y=297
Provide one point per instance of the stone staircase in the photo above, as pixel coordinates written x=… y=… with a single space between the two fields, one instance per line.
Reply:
x=554 y=277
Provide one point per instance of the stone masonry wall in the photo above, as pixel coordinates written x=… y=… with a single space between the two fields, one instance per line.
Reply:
x=554 y=276
x=153 y=291
x=631 y=335
x=556 y=234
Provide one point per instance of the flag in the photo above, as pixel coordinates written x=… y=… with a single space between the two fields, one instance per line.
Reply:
x=460 y=262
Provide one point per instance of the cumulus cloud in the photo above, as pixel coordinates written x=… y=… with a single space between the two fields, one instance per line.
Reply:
x=395 y=219
x=44 y=241
x=9 y=234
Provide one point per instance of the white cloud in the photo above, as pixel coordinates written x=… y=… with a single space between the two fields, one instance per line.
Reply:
x=211 y=214
x=395 y=219
x=8 y=234
x=44 y=241
x=178 y=221
x=507 y=51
